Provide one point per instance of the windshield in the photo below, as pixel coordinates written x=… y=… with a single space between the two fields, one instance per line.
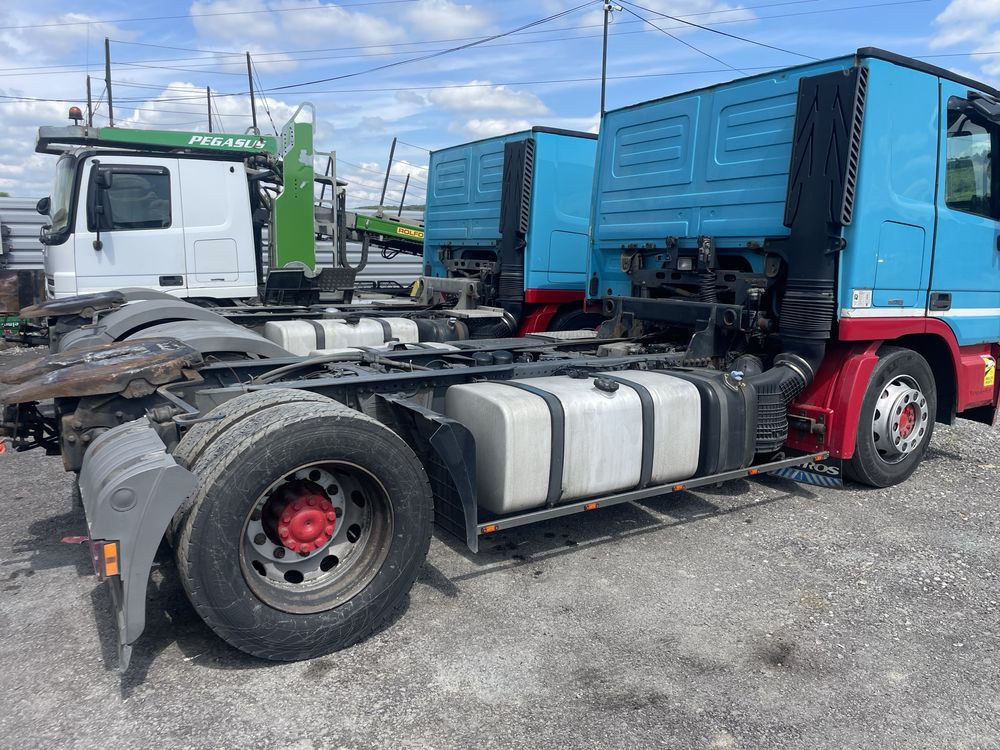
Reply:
x=62 y=194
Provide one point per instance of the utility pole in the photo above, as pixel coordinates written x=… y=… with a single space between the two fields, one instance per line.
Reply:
x=253 y=104
x=385 y=182
x=208 y=94
x=608 y=8
x=90 y=106
x=107 y=81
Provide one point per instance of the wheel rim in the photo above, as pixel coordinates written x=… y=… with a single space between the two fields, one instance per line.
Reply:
x=316 y=537
x=900 y=422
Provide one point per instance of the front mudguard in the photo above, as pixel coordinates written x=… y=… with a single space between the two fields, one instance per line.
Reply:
x=131 y=488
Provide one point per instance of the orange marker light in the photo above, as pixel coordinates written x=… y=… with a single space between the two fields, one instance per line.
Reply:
x=490 y=529
x=110 y=559
x=590 y=506
x=754 y=472
x=678 y=487
x=820 y=458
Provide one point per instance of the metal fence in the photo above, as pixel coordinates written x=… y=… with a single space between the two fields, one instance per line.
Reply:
x=25 y=251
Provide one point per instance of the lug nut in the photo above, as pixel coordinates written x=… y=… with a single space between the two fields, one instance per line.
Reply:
x=259 y=539
x=279 y=552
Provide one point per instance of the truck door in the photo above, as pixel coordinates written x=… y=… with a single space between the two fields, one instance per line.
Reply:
x=965 y=279
x=129 y=226
x=218 y=229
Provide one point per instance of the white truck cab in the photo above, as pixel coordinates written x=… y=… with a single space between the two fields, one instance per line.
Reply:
x=176 y=224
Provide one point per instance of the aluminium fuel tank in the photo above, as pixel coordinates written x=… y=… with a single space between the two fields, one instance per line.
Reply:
x=303 y=336
x=547 y=440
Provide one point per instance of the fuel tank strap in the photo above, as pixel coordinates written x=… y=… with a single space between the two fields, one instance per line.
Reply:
x=648 y=426
x=558 y=420
x=320 y=333
x=386 y=330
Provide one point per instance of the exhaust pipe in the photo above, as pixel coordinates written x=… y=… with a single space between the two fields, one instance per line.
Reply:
x=822 y=179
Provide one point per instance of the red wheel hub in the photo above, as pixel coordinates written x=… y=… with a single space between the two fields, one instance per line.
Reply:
x=306 y=523
x=907 y=421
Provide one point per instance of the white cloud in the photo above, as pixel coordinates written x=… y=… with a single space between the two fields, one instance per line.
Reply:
x=184 y=108
x=258 y=26
x=479 y=96
x=446 y=19
x=411 y=97
x=25 y=174
x=52 y=36
x=976 y=25
x=329 y=20
x=966 y=20
x=489 y=127
x=365 y=182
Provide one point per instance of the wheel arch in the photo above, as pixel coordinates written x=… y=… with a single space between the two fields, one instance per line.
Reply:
x=938 y=355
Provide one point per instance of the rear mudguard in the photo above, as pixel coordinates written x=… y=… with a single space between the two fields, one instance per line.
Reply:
x=131 y=488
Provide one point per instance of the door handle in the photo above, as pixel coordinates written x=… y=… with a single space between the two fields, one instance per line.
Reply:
x=171 y=281
x=940 y=301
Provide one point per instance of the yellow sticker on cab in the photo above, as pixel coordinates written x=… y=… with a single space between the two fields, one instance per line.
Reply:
x=989 y=374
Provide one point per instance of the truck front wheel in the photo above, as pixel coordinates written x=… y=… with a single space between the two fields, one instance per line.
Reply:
x=896 y=421
x=309 y=527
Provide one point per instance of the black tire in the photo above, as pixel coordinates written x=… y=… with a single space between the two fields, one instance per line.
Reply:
x=219 y=420
x=223 y=417
x=871 y=465
x=238 y=468
x=575 y=319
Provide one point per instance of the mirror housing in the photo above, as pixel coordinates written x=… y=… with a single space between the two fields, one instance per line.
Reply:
x=98 y=219
x=44 y=205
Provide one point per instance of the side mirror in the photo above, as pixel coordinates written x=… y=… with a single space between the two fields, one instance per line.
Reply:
x=98 y=219
x=988 y=109
x=44 y=205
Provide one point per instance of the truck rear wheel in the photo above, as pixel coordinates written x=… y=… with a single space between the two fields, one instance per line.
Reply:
x=308 y=529
x=220 y=419
x=897 y=419
x=575 y=319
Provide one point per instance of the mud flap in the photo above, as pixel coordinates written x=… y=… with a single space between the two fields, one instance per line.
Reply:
x=131 y=488
x=829 y=473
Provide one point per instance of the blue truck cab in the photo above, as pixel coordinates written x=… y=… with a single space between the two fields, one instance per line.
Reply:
x=820 y=217
x=513 y=211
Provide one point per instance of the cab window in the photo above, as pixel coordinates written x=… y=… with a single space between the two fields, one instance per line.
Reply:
x=969 y=168
x=137 y=198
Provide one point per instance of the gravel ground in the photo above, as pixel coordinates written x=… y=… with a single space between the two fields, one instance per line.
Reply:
x=758 y=614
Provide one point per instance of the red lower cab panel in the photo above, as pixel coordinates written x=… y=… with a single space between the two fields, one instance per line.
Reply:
x=825 y=416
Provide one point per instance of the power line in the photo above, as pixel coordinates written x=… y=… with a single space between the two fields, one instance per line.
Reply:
x=678 y=39
x=312 y=7
x=156 y=63
x=413 y=180
x=413 y=145
x=721 y=33
x=470 y=38
x=182 y=70
x=12 y=99
x=440 y=53
x=263 y=96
